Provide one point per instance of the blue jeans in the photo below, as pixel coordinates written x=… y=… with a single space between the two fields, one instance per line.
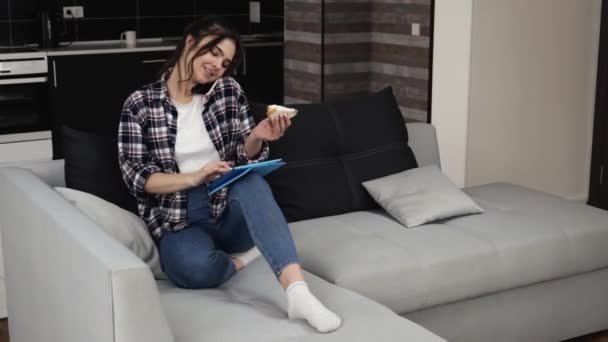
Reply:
x=197 y=256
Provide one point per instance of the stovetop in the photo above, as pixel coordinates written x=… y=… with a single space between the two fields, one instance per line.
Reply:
x=19 y=53
x=21 y=60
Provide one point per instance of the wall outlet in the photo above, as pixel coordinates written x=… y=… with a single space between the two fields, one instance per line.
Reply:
x=70 y=12
x=415 y=29
x=254 y=12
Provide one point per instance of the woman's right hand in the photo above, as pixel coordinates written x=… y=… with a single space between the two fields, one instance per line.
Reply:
x=209 y=172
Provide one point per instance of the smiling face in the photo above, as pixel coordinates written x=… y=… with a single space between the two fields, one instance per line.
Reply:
x=210 y=65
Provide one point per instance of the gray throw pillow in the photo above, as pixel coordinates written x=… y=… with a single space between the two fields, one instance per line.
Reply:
x=129 y=229
x=422 y=195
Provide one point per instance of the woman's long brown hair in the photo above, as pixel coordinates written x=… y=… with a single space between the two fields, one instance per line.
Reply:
x=199 y=29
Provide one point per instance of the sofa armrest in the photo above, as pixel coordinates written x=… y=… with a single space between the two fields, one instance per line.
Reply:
x=50 y=171
x=423 y=142
x=66 y=279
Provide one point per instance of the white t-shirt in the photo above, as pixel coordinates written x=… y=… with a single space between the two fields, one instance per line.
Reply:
x=193 y=146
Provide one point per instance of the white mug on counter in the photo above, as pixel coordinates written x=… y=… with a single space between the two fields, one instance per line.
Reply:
x=129 y=37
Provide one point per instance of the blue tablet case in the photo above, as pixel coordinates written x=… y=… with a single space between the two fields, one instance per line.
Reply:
x=261 y=168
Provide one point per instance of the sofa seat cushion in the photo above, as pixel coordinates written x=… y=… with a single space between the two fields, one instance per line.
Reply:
x=251 y=307
x=524 y=237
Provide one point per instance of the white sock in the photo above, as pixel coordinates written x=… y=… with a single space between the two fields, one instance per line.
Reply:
x=302 y=304
x=247 y=257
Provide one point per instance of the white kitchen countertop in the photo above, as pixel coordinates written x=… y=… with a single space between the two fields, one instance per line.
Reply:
x=85 y=48
x=142 y=45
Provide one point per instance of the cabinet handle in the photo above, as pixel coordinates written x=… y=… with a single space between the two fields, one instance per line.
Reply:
x=28 y=80
x=149 y=61
x=54 y=75
x=244 y=63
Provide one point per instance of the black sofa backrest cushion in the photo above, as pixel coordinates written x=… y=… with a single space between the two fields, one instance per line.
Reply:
x=91 y=165
x=331 y=148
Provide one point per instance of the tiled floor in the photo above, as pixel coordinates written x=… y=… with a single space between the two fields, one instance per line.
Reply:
x=599 y=337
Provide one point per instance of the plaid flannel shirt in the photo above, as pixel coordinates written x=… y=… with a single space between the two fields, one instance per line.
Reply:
x=146 y=144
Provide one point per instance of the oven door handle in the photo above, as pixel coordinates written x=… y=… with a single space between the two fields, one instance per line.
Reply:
x=27 y=80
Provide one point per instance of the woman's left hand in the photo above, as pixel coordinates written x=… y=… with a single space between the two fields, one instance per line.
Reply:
x=271 y=129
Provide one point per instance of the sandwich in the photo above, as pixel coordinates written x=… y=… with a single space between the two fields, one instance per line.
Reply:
x=276 y=109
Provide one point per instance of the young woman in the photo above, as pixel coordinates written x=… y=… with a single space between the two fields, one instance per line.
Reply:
x=187 y=129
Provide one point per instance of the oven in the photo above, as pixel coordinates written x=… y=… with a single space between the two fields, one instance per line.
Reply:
x=25 y=123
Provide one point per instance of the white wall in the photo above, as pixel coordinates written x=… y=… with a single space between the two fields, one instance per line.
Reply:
x=451 y=57
x=533 y=70
x=514 y=90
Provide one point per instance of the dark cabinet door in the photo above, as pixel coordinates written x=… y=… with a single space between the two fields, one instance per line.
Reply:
x=87 y=92
x=598 y=186
x=261 y=73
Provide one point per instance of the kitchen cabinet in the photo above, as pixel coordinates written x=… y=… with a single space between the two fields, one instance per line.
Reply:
x=87 y=91
x=261 y=73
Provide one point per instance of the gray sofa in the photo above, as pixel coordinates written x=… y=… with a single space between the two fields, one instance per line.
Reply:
x=533 y=267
